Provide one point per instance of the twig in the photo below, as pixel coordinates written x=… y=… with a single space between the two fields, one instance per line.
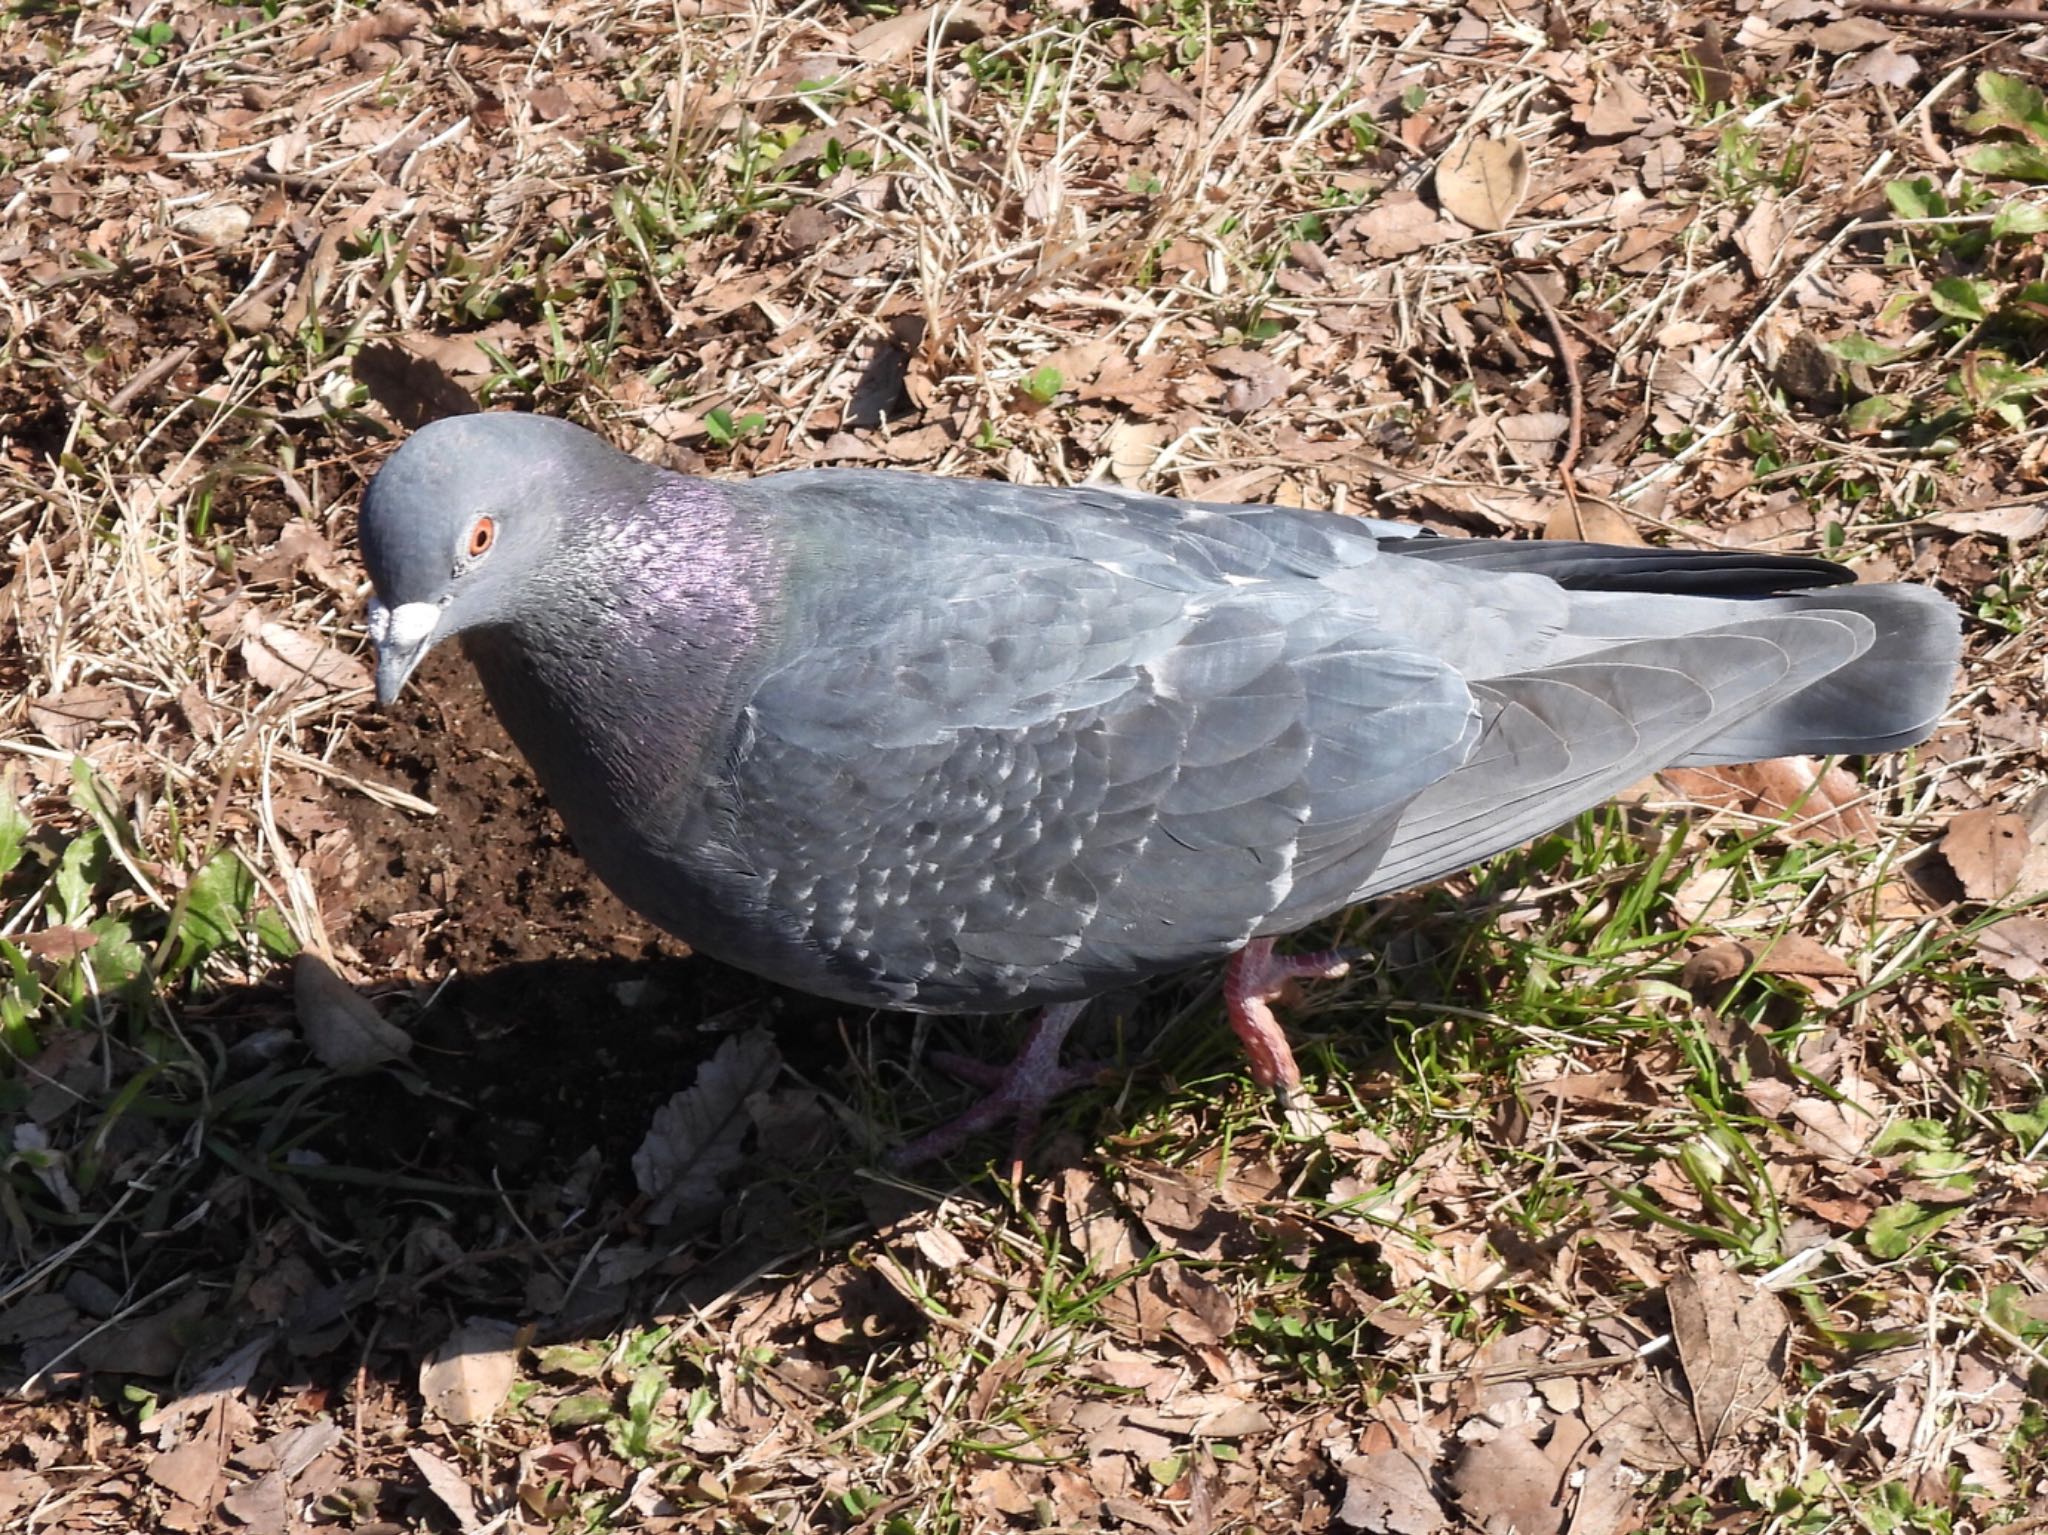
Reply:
x=1962 y=16
x=149 y=378
x=1574 y=393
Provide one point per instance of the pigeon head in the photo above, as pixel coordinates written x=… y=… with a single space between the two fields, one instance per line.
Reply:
x=461 y=527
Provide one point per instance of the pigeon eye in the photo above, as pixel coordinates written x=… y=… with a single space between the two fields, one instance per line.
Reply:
x=482 y=534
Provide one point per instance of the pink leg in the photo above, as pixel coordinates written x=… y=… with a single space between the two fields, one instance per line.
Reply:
x=1019 y=1092
x=1253 y=981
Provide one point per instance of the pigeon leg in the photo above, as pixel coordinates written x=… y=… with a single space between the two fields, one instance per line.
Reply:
x=1019 y=1093
x=1253 y=981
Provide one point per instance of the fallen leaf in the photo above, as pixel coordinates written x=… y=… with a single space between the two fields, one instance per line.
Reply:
x=1987 y=849
x=1616 y=112
x=1820 y=805
x=217 y=224
x=1142 y=385
x=1849 y=34
x=226 y=1379
x=1481 y=182
x=1101 y=1232
x=292 y=1450
x=1509 y=1483
x=1535 y=437
x=1761 y=236
x=1256 y=380
x=344 y=1032
x=894 y=37
x=279 y=657
x=2015 y=524
x=1387 y=1491
x=1883 y=65
x=693 y=1145
x=194 y=1471
x=75 y=716
x=2018 y=946
x=147 y=1345
x=1133 y=448
x=450 y=1486
x=1786 y=954
x=1588 y=519
x=413 y=388
x=1400 y=224
x=262 y=1507
x=1732 y=1339
x=1607 y=1498
x=386 y=22
x=466 y=1379
x=57 y=944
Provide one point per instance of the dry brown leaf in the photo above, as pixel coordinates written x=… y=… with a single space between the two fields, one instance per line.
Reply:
x=450 y=1486
x=1761 y=236
x=147 y=1345
x=221 y=1383
x=383 y=24
x=1256 y=380
x=2015 y=524
x=2018 y=946
x=1133 y=448
x=1787 y=954
x=1204 y=1314
x=895 y=37
x=693 y=1146
x=1849 y=34
x=1387 y=1491
x=1732 y=1339
x=1097 y=1226
x=1400 y=224
x=1590 y=520
x=1819 y=805
x=345 y=1033
x=1987 y=849
x=1142 y=386
x=1616 y=112
x=1883 y=65
x=262 y=1507
x=414 y=388
x=1509 y=1483
x=280 y=657
x=466 y=1379
x=57 y=944
x=999 y=1488
x=195 y=1470
x=217 y=224
x=77 y=715
x=1534 y=437
x=1607 y=1498
x=1481 y=182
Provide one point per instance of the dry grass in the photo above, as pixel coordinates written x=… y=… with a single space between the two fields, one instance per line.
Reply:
x=1683 y=1169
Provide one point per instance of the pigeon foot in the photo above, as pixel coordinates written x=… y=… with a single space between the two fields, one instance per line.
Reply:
x=1254 y=980
x=1018 y=1092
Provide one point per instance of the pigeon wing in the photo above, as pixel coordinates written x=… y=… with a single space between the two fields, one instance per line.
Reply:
x=1046 y=776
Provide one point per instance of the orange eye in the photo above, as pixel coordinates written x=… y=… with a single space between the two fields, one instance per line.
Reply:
x=482 y=536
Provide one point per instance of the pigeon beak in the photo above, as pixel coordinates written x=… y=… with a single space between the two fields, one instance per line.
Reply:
x=402 y=636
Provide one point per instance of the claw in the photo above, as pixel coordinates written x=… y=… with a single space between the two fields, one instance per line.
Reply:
x=1019 y=1092
x=1254 y=980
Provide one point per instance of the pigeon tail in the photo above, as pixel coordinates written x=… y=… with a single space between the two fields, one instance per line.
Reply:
x=1890 y=696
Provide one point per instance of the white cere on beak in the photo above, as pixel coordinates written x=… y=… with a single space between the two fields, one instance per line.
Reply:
x=405 y=627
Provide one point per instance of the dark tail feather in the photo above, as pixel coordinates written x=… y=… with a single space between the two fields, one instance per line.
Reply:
x=1889 y=697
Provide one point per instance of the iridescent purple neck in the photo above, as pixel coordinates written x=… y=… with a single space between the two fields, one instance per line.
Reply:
x=630 y=661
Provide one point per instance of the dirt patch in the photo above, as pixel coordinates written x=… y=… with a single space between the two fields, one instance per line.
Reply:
x=566 y=1018
x=492 y=879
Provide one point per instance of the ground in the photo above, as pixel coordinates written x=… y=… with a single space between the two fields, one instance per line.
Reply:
x=368 y=1166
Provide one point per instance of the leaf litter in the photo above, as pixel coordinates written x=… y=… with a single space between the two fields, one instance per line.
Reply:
x=1602 y=1168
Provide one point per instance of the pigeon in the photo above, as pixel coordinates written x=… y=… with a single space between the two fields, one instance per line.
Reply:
x=959 y=746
